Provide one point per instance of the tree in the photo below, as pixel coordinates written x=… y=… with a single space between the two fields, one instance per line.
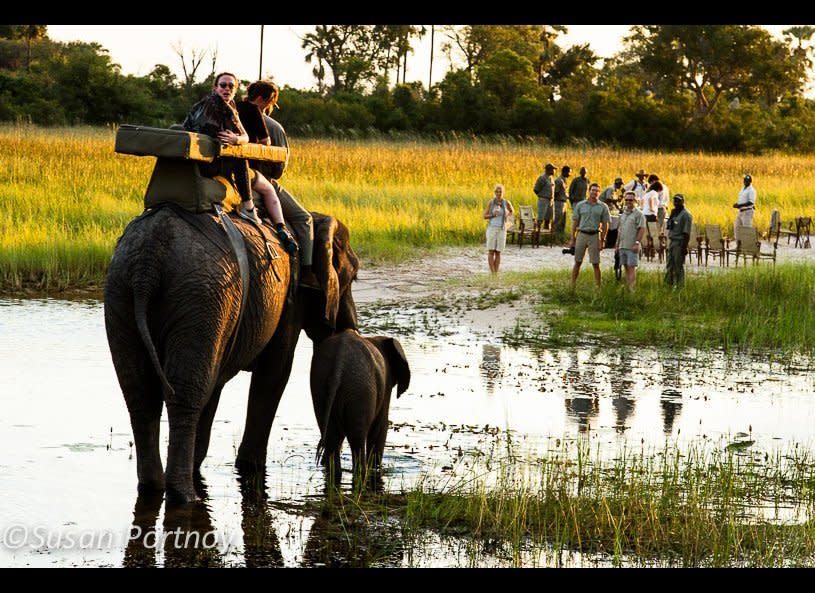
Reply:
x=352 y=52
x=477 y=43
x=508 y=76
x=712 y=60
x=28 y=32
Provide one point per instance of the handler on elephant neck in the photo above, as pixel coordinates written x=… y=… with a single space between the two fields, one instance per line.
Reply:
x=261 y=99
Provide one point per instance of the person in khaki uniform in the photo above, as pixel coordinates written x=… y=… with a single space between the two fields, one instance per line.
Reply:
x=589 y=227
x=629 y=234
x=545 y=190
x=561 y=197
x=579 y=188
x=679 y=229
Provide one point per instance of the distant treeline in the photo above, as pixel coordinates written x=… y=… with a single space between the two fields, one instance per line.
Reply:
x=721 y=87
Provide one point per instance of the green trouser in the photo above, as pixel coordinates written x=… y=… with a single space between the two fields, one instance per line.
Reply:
x=300 y=220
x=559 y=225
x=675 y=264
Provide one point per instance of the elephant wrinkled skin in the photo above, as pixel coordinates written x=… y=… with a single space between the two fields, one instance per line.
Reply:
x=172 y=301
x=352 y=377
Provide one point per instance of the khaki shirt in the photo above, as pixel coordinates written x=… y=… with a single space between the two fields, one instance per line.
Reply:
x=560 y=189
x=630 y=224
x=680 y=225
x=578 y=189
x=544 y=187
x=589 y=217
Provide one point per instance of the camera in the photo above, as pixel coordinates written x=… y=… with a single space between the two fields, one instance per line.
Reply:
x=568 y=250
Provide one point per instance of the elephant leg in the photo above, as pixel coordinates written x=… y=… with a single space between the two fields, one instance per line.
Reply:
x=359 y=458
x=183 y=421
x=333 y=468
x=145 y=421
x=269 y=379
x=332 y=445
x=142 y=393
x=376 y=441
x=204 y=430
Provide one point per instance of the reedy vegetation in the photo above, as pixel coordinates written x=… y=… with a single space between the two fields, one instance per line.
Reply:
x=68 y=196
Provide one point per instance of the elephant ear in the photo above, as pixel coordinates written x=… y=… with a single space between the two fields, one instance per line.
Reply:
x=399 y=364
x=324 y=229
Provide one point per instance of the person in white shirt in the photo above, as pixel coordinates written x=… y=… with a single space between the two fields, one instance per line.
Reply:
x=746 y=205
x=662 y=200
x=649 y=201
x=637 y=185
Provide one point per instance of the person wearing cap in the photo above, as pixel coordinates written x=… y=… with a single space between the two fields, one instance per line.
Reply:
x=561 y=197
x=663 y=198
x=746 y=205
x=638 y=185
x=262 y=96
x=545 y=190
x=679 y=230
x=578 y=188
x=590 y=219
x=630 y=232
x=609 y=195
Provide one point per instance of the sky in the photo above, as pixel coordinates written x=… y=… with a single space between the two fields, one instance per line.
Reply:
x=138 y=48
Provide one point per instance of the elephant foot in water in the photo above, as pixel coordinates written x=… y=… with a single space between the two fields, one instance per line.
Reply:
x=176 y=496
x=248 y=464
x=148 y=488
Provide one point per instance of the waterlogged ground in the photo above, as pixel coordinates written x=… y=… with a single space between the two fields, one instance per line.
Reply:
x=68 y=471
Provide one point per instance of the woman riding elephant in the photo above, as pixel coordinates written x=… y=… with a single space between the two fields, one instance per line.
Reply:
x=217 y=116
x=177 y=335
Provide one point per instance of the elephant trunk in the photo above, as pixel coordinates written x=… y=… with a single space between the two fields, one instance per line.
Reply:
x=140 y=300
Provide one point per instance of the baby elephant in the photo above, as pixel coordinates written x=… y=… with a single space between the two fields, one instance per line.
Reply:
x=351 y=381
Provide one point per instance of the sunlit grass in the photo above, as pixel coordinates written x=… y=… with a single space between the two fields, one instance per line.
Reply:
x=710 y=504
x=67 y=196
x=760 y=307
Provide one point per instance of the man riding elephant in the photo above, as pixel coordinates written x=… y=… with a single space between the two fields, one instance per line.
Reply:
x=262 y=96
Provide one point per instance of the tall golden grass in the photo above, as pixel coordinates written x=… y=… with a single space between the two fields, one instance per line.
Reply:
x=67 y=196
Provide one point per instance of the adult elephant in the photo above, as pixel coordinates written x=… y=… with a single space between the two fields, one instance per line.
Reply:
x=172 y=300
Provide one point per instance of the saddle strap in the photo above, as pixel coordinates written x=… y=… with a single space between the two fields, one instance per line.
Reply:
x=239 y=249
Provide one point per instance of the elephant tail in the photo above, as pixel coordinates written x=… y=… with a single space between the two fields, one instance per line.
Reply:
x=140 y=308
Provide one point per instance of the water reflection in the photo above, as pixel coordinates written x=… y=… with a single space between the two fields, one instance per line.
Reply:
x=188 y=538
x=622 y=389
x=338 y=539
x=625 y=395
x=582 y=396
x=141 y=549
x=670 y=400
x=491 y=369
x=261 y=548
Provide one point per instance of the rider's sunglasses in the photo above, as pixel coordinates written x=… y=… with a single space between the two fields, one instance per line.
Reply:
x=226 y=85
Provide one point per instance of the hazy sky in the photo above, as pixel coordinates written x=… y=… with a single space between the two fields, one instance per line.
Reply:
x=138 y=48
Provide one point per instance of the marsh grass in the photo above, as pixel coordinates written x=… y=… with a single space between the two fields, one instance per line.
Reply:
x=752 y=308
x=67 y=196
x=705 y=506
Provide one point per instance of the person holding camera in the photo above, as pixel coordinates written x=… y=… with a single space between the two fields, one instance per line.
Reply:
x=589 y=227
x=497 y=212
x=631 y=230
x=679 y=229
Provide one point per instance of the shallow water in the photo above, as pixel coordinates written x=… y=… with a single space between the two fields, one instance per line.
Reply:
x=68 y=470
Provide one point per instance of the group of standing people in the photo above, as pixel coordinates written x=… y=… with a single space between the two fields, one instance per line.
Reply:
x=553 y=196
x=638 y=202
